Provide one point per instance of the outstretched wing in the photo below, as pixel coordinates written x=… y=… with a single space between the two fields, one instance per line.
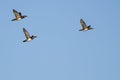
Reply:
x=83 y=24
x=17 y=14
x=27 y=35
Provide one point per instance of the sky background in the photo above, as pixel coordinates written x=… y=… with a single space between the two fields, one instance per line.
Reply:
x=60 y=51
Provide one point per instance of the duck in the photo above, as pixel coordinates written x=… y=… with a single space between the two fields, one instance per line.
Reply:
x=27 y=35
x=18 y=15
x=84 y=26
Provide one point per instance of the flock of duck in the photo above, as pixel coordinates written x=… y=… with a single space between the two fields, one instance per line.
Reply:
x=19 y=16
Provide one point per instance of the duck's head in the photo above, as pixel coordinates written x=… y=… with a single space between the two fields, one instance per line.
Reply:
x=24 y=16
x=32 y=37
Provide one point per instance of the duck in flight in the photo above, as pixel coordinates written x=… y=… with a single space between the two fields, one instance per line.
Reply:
x=18 y=15
x=84 y=26
x=27 y=35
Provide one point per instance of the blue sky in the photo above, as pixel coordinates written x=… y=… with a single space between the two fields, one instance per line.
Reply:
x=60 y=51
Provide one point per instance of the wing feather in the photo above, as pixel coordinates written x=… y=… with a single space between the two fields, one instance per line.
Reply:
x=83 y=23
x=16 y=13
x=27 y=35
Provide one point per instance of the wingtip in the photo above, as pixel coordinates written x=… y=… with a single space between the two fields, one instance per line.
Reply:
x=12 y=20
x=80 y=30
x=81 y=19
x=14 y=10
x=24 y=29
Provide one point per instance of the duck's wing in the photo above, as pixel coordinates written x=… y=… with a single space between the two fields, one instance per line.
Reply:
x=16 y=13
x=83 y=23
x=27 y=35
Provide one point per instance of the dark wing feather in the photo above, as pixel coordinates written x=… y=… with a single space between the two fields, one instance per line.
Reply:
x=17 y=14
x=20 y=14
x=83 y=24
x=27 y=35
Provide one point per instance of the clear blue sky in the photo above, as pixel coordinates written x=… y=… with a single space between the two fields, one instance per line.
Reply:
x=60 y=52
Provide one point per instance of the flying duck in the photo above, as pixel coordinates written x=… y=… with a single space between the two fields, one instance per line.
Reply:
x=18 y=15
x=27 y=35
x=84 y=26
